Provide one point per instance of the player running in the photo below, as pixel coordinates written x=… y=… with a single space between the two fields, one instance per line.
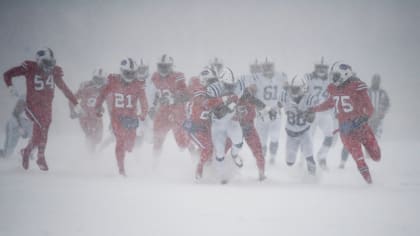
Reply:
x=87 y=94
x=318 y=82
x=41 y=78
x=126 y=91
x=296 y=101
x=169 y=105
x=353 y=107
x=269 y=87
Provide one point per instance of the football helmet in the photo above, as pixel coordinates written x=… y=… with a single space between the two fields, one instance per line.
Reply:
x=45 y=59
x=207 y=76
x=98 y=77
x=340 y=72
x=143 y=70
x=217 y=64
x=165 y=65
x=227 y=77
x=268 y=68
x=255 y=67
x=321 y=70
x=298 y=86
x=128 y=68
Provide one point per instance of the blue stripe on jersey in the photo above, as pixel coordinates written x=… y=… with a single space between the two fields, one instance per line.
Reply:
x=211 y=90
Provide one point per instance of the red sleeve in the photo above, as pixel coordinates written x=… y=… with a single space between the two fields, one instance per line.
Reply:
x=328 y=104
x=15 y=71
x=366 y=102
x=181 y=86
x=143 y=102
x=58 y=79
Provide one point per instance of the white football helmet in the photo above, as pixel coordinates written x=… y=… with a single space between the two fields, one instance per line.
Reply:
x=321 y=70
x=99 y=77
x=217 y=64
x=207 y=76
x=45 y=59
x=255 y=67
x=227 y=77
x=128 y=68
x=268 y=68
x=298 y=86
x=143 y=70
x=165 y=65
x=340 y=72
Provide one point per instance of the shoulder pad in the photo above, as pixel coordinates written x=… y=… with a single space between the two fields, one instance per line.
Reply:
x=179 y=76
x=213 y=90
x=28 y=64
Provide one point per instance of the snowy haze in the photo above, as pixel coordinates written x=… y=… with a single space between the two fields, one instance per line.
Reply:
x=82 y=196
x=373 y=36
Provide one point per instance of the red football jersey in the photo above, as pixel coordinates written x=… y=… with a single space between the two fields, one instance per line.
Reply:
x=39 y=86
x=124 y=97
x=87 y=94
x=199 y=109
x=174 y=83
x=351 y=100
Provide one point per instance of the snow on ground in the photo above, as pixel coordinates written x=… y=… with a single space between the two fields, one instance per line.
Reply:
x=83 y=195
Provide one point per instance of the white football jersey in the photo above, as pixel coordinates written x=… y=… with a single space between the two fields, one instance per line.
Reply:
x=270 y=90
x=295 y=111
x=318 y=88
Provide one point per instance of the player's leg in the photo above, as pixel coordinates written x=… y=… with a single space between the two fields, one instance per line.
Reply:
x=274 y=136
x=306 y=146
x=262 y=129
x=325 y=123
x=161 y=127
x=353 y=145
x=344 y=157
x=370 y=144
x=203 y=140
x=253 y=141
x=42 y=144
x=234 y=132
x=120 y=154
x=218 y=137
x=292 y=145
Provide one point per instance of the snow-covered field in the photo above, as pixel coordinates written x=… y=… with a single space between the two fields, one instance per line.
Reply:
x=83 y=195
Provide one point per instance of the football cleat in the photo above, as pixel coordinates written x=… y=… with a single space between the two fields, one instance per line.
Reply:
x=42 y=164
x=238 y=161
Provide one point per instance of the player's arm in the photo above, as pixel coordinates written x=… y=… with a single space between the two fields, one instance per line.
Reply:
x=181 y=95
x=101 y=98
x=365 y=101
x=326 y=105
x=249 y=97
x=14 y=72
x=58 y=79
x=143 y=104
x=73 y=113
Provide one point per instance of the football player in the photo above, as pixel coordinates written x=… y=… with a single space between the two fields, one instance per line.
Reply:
x=87 y=94
x=126 y=91
x=41 y=78
x=353 y=108
x=269 y=87
x=296 y=101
